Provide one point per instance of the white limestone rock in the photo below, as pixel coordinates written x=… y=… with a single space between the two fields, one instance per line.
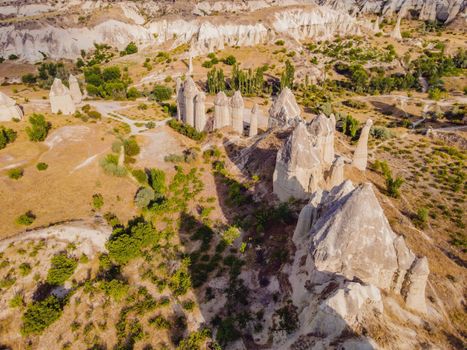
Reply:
x=414 y=290
x=323 y=128
x=254 y=121
x=360 y=157
x=298 y=170
x=60 y=98
x=221 y=111
x=285 y=111
x=180 y=99
x=337 y=173
x=75 y=90
x=236 y=108
x=396 y=33
x=189 y=92
x=9 y=110
x=200 y=111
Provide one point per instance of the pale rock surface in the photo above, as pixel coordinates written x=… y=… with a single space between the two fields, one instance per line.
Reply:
x=221 y=111
x=416 y=284
x=60 y=98
x=337 y=173
x=189 y=92
x=200 y=111
x=323 y=128
x=254 y=121
x=298 y=170
x=396 y=33
x=236 y=108
x=75 y=90
x=285 y=111
x=180 y=99
x=9 y=110
x=360 y=157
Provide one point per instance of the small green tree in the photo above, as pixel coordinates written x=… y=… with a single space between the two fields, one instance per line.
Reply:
x=230 y=60
x=144 y=196
x=26 y=219
x=97 y=201
x=15 y=173
x=287 y=77
x=40 y=315
x=161 y=93
x=230 y=235
x=39 y=128
x=42 y=166
x=62 y=268
x=6 y=136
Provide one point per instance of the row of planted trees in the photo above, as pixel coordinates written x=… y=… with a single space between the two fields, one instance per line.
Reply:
x=250 y=82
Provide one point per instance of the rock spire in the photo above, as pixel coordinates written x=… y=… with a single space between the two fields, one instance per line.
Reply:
x=200 y=111
x=61 y=99
x=221 y=111
x=254 y=121
x=360 y=157
x=285 y=111
x=236 y=107
x=75 y=90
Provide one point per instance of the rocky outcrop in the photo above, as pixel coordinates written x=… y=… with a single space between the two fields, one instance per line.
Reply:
x=337 y=173
x=75 y=90
x=285 y=111
x=189 y=92
x=360 y=157
x=180 y=99
x=304 y=159
x=254 y=121
x=221 y=111
x=424 y=10
x=236 y=109
x=200 y=111
x=344 y=239
x=9 y=110
x=396 y=33
x=203 y=33
x=61 y=99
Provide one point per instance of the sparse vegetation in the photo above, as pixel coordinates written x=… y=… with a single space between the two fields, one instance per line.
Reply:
x=39 y=128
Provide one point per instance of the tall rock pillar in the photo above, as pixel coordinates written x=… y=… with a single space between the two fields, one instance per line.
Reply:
x=60 y=98
x=200 y=111
x=236 y=106
x=180 y=99
x=254 y=121
x=189 y=93
x=221 y=111
x=75 y=91
x=360 y=157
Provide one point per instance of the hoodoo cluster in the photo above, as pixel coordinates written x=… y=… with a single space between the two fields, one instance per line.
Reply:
x=62 y=99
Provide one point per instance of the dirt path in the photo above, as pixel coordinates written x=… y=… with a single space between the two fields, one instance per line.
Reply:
x=91 y=236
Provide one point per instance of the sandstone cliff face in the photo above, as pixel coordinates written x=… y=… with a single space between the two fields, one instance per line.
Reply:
x=206 y=34
x=425 y=10
x=285 y=111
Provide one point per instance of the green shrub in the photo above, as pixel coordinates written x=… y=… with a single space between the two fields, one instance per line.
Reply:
x=159 y=322
x=188 y=305
x=186 y=130
x=161 y=93
x=131 y=147
x=110 y=165
x=16 y=301
x=280 y=43
x=131 y=48
x=381 y=133
x=40 y=315
x=180 y=281
x=227 y=331
x=230 y=235
x=355 y=104
x=6 y=136
x=15 y=173
x=157 y=181
x=350 y=126
x=422 y=217
x=26 y=219
x=42 y=166
x=140 y=176
x=97 y=201
x=62 y=268
x=144 y=196
x=116 y=289
x=230 y=60
x=195 y=340
x=128 y=243
x=24 y=269
x=39 y=128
